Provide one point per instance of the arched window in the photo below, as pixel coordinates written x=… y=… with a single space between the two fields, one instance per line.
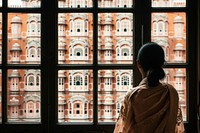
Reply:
x=70 y=80
x=125 y=81
x=14 y=84
x=78 y=26
x=78 y=52
x=78 y=80
x=118 y=80
x=14 y=112
x=31 y=81
x=118 y=107
x=33 y=27
x=78 y=109
x=86 y=51
x=38 y=80
x=32 y=54
x=118 y=26
x=31 y=109
x=108 y=84
x=37 y=110
x=178 y=30
x=125 y=52
x=16 y=29
x=155 y=27
x=86 y=80
x=118 y=52
x=161 y=27
x=124 y=27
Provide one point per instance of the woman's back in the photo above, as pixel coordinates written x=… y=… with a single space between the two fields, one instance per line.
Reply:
x=152 y=106
x=149 y=110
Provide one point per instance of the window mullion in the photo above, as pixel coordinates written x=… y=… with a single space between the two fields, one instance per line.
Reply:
x=4 y=63
x=49 y=64
x=95 y=63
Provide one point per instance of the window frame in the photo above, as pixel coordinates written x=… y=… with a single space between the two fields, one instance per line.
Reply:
x=49 y=63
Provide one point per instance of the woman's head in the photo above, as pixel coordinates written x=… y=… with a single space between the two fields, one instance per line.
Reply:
x=151 y=59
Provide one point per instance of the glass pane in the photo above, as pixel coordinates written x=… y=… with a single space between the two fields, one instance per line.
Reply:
x=168 y=3
x=177 y=78
x=24 y=38
x=23 y=99
x=169 y=31
x=75 y=96
x=0 y=97
x=115 y=3
x=112 y=87
x=0 y=38
x=75 y=3
x=115 y=38
x=24 y=3
x=75 y=38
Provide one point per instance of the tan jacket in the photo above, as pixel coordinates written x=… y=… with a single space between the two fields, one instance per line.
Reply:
x=149 y=110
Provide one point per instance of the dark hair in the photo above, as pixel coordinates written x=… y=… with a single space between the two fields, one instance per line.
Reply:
x=151 y=58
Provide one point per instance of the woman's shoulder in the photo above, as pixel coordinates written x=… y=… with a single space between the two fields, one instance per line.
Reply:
x=134 y=90
x=170 y=88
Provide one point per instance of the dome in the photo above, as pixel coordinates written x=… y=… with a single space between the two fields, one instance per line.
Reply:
x=16 y=19
x=14 y=102
x=108 y=100
x=108 y=74
x=15 y=47
x=178 y=19
x=61 y=101
x=108 y=18
x=14 y=74
x=61 y=74
x=61 y=45
x=179 y=73
x=61 y=19
x=179 y=47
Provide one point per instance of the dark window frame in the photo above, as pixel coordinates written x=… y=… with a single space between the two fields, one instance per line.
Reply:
x=49 y=63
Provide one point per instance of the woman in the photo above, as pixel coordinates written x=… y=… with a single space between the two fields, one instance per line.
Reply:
x=152 y=106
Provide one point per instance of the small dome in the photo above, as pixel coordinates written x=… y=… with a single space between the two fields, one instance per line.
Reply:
x=108 y=74
x=108 y=100
x=14 y=74
x=16 y=19
x=61 y=101
x=108 y=18
x=179 y=47
x=61 y=19
x=61 y=74
x=61 y=45
x=179 y=73
x=15 y=47
x=13 y=102
x=178 y=19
